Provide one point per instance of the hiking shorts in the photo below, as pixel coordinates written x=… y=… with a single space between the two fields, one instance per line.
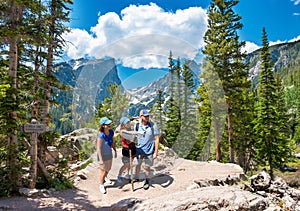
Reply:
x=147 y=158
x=106 y=165
x=125 y=154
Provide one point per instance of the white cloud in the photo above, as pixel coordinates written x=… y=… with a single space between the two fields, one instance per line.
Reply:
x=142 y=30
x=250 y=47
x=79 y=43
x=296 y=13
x=296 y=2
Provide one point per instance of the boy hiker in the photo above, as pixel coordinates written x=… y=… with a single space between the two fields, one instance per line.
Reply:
x=147 y=145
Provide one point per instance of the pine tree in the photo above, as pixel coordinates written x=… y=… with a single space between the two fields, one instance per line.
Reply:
x=158 y=109
x=173 y=123
x=172 y=109
x=188 y=131
x=272 y=145
x=223 y=52
x=119 y=103
x=58 y=16
x=11 y=32
x=213 y=96
x=171 y=75
x=178 y=76
x=203 y=142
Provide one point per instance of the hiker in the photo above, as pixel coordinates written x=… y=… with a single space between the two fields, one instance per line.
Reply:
x=128 y=147
x=147 y=145
x=105 y=143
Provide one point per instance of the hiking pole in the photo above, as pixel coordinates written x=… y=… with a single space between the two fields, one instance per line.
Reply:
x=130 y=165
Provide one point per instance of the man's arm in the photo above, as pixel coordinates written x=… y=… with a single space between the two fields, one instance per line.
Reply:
x=156 y=144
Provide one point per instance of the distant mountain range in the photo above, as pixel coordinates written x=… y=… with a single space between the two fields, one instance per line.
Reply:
x=91 y=78
x=286 y=58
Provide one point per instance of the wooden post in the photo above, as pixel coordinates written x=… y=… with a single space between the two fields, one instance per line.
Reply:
x=39 y=162
x=34 y=129
x=33 y=154
x=131 y=172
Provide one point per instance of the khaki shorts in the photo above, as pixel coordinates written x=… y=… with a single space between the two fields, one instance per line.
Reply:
x=106 y=165
x=147 y=158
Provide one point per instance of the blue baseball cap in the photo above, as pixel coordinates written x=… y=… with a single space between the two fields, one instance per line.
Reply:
x=105 y=121
x=144 y=112
x=124 y=120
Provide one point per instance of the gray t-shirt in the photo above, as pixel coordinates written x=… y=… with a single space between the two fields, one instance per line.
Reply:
x=105 y=149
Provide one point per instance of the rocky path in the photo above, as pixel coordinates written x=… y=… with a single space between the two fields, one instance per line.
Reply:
x=169 y=176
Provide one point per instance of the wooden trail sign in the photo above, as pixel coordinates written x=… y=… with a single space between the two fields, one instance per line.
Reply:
x=34 y=128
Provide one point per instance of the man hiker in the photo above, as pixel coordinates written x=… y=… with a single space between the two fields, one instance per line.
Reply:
x=147 y=145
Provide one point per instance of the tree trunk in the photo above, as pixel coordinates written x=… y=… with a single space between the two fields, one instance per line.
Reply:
x=33 y=153
x=230 y=133
x=217 y=138
x=33 y=136
x=46 y=107
x=15 y=17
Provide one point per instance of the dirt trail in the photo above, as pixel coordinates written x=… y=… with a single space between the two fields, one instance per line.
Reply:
x=86 y=195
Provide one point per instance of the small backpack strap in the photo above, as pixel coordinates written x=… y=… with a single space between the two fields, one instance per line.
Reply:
x=137 y=126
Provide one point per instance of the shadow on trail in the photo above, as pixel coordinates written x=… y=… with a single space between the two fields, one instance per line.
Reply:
x=163 y=180
x=63 y=200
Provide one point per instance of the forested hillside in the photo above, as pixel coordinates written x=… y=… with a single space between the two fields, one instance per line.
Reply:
x=286 y=58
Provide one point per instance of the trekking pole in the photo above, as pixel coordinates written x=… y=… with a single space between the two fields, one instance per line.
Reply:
x=130 y=165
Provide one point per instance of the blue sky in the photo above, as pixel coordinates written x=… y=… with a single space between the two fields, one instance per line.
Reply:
x=140 y=34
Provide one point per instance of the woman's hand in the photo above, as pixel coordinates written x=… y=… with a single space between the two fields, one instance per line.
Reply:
x=100 y=160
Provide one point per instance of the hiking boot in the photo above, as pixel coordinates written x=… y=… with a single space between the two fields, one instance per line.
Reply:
x=119 y=179
x=102 y=189
x=127 y=176
x=108 y=181
x=146 y=185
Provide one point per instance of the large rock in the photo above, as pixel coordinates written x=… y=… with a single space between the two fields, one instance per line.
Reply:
x=75 y=141
x=208 y=198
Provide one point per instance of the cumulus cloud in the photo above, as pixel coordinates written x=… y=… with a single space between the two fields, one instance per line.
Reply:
x=142 y=30
x=79 y=43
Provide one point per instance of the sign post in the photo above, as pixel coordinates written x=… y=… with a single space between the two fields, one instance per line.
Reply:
x=33 y=129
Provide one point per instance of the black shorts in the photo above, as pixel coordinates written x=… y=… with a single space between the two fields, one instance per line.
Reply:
x=125 y=153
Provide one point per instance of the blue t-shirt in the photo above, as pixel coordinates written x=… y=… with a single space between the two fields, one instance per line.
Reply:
x=105 y=149
x=146 y=144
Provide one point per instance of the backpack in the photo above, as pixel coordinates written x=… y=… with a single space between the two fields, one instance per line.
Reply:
x=150 y=124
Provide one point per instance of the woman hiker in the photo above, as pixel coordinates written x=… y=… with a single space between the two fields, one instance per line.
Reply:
x=105 y=144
